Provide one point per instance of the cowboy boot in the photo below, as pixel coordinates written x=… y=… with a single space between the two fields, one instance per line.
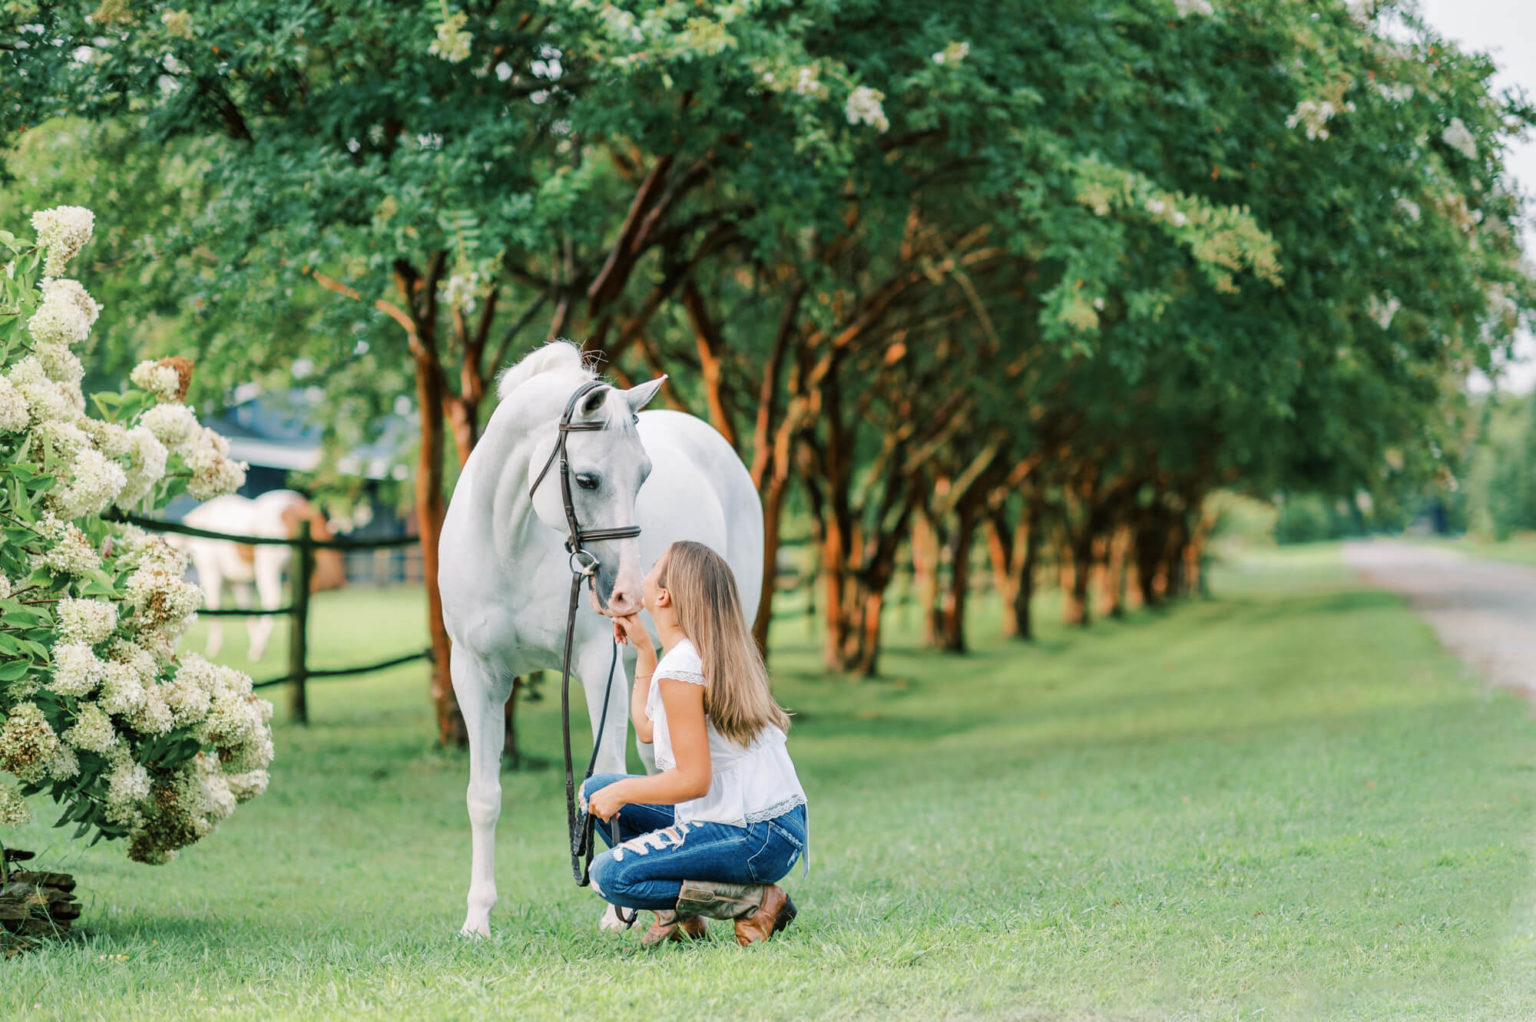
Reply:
x=669 y=925
x=758 y=910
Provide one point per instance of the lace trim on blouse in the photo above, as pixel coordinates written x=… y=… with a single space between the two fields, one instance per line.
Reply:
x=779 y=808
x=677 y=674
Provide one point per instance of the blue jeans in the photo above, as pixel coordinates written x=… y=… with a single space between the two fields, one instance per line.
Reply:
x=646 y=869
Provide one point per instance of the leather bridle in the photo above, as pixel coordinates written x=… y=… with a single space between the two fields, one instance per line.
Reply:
x=584 y=565
x=574 y=542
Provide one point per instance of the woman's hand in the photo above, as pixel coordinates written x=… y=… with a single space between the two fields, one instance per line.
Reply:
x=629 y=630
x=604 y=803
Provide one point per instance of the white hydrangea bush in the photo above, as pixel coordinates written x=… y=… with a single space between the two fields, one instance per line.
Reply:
x=98 y=710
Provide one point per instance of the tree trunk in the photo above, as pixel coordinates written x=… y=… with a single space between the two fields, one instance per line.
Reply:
x=1024 y=594
x=1115 y=556
x=430 y=510
x=867 y=661
x=773 y=522
x=1151 y=537
x=925 y=576
x=959 y=576
x=1000 y=554
x=1081 y=552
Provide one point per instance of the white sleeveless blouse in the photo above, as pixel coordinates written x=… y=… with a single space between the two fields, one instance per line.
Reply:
x=747 y=784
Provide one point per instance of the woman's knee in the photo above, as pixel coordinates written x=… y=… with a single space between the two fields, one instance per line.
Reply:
x=608 y=877
x=597 y=782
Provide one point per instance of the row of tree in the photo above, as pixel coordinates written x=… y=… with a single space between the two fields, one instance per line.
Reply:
x=1014 y=273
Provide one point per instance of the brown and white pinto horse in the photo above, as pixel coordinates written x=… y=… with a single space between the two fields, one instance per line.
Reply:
x=240 y=566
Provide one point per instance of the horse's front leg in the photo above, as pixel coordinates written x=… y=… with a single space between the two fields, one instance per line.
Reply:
x=482 y=698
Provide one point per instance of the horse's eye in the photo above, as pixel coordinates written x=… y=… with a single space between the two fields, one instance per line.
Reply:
x=586 y=480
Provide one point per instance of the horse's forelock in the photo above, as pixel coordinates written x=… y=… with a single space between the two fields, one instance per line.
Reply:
x=556 y=355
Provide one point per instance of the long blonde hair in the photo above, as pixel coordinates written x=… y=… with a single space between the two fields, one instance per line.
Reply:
x=708 y=607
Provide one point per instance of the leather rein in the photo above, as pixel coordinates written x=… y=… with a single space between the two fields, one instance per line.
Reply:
x=584 y=565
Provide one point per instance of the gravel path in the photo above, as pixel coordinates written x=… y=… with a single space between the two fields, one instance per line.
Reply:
x=1484 y=611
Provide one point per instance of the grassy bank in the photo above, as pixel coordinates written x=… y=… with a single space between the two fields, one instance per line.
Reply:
x=1285 y=802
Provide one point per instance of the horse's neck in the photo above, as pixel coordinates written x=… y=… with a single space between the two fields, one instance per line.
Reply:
x=501 y=486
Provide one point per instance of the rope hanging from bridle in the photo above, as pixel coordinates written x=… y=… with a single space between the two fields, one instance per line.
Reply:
x=584 y=565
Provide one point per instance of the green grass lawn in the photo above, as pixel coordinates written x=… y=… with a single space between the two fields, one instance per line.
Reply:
x=1282 y=803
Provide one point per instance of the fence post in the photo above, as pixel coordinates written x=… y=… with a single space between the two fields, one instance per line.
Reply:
x=298 y=629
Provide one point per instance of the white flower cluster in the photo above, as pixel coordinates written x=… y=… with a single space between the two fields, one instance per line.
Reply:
x=66 y=314
x=954 y=53
x=621 y=25
x=13 y=808
x=808 y=83
x=452 y=42
x=62 y=232
x=1315 y=114
x=1383 y=311
x=864 y=107
x=1160 y=210
x=1185 y=8
x=1459 y=138
x=159 y=378
x=112 y=684
x=177 y=24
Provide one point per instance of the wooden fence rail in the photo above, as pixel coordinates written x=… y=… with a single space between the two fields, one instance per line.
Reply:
x=297 y=611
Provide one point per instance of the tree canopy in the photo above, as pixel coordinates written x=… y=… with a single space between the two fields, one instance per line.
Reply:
x=1028 y=269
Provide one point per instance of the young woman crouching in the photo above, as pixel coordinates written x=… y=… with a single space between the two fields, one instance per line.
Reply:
x=725 y=816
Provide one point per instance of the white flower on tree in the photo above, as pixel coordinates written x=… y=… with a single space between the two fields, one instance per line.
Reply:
x=954 y=53
x=158 y=378
x=107 y=705
x=13 y=808
x=14 y=413
x=69 y=551
x=76 y=669
x=808 y=83
x=1459 y=138
x=170 y=424
x=61 y=364
x=127 y=785
x=452 y=42
x=65 y=315
x=93 y=484
x=146 y=467
x=1383 y=312
x=84 y=620
x=92 y=731
x=122 y=693
x=864 y=107
x=62 y=232
x=1185 y=8
x=28 y=744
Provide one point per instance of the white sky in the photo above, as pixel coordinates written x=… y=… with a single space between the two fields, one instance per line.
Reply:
x=1505 y=29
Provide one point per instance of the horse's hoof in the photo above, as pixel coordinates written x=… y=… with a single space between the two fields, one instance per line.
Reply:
x=474 y=932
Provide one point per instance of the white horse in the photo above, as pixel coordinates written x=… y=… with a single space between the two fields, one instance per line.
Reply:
x=277 y=514
x=505 y=574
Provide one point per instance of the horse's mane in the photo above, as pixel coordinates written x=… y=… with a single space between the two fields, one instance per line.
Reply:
x=552 y=356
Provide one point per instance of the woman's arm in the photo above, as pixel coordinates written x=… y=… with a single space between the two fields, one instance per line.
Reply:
x=630 y=630
x=645 y=666
x=684 y=705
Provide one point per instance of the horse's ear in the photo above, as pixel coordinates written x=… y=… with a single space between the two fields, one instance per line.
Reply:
x=641 y=396
x=593 y=401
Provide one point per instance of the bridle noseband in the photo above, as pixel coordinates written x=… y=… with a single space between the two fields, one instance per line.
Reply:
x=583 y=561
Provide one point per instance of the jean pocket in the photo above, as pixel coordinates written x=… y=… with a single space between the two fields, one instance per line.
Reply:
x=783 y=833
x=780 y=848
